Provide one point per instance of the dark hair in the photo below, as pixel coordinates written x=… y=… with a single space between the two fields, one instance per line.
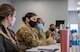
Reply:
x=38 y=20
x=51 y=25
x=6 y=10
x=28 y=15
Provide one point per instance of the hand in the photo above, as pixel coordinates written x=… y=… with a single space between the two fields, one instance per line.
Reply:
x=16 y=38
x=50 y=38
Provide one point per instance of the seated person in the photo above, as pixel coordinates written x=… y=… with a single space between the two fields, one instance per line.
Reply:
x=57 y=31
x=40 y=32
x=27 y=35
x=51 y=31
x=39 y=28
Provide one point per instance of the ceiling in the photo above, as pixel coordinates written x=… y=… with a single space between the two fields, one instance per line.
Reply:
x=72 y=4
x=36 y=0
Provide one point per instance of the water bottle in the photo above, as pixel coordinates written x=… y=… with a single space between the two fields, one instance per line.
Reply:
x=75 y=45
x=79 y=42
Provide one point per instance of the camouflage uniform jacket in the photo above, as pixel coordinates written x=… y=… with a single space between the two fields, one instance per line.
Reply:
x=48 y=32
x=28 y=37
x=40 y=33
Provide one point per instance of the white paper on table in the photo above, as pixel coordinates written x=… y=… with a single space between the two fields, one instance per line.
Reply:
x=32 y=50
x=49 y=47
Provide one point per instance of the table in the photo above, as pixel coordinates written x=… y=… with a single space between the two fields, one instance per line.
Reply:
x=48 y=48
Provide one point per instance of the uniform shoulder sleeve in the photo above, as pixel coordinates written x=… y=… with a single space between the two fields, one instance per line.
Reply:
x=48 y=33
x=27 y=37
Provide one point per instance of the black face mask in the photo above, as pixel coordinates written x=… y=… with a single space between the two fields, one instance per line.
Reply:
x=32 y=23
x=52 y=30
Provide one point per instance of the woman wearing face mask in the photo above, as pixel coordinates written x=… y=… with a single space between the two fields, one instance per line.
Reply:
x=26 y=33
x=7 y=38
x=41 y=34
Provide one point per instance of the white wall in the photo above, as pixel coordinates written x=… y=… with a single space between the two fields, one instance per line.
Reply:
x=48 y=10
x=72 y=17
x=5 y=1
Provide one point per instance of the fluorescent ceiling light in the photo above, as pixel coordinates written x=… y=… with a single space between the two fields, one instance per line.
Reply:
x=79 y=3
x=78 y=8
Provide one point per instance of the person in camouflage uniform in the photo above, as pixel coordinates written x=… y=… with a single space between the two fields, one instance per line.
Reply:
x=39 y=31
x=51 y=31
x=39 y=28
x=27 y=35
